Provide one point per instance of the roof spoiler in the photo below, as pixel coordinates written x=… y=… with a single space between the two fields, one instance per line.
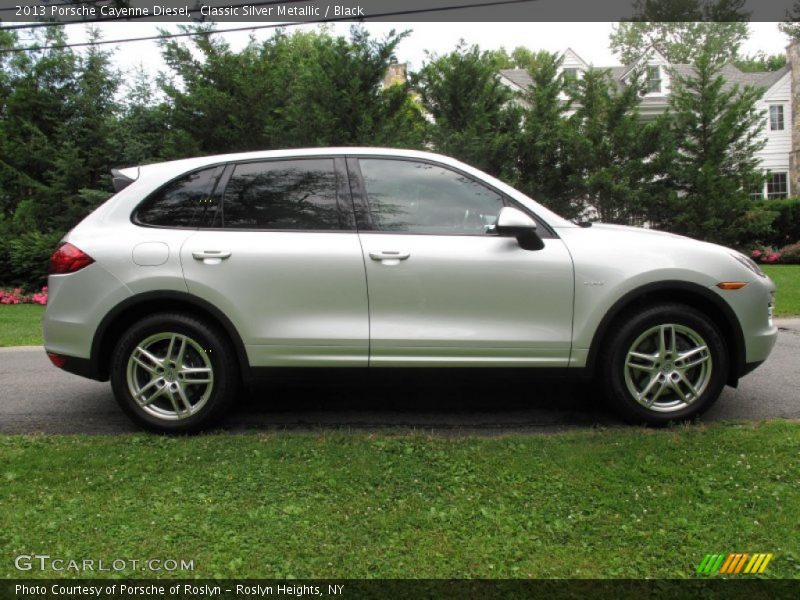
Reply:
x=122 y=178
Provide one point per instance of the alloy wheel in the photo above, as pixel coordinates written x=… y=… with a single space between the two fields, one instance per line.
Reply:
x=170 y=376
x=668 y=367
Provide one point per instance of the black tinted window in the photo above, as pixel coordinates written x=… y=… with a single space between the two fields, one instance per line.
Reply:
x=286 y=194
x=181 y=203
x=416 y=197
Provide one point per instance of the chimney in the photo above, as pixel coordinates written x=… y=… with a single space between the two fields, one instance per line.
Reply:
x=396 y=74
x=793 y=60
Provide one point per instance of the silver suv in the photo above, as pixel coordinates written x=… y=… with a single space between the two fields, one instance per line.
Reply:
x=205 y=274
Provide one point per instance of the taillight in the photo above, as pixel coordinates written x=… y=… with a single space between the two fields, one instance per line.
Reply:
x=57 y=359
x=68 y=259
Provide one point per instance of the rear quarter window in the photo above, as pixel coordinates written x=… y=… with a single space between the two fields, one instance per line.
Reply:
x=183 y=202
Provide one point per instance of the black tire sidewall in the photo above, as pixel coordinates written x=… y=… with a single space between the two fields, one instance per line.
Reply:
x=614 y=362
x=220 y=354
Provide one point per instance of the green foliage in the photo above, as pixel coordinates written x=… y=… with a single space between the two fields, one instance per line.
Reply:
x=681 y=29
x=615 y=156
x=544 y=159
x=784 y=221
x=303 y=89
x=712 y=159
x=790 y=254
x=475 y=118
x=791 y=26
x=753 y=226
x=755 y=63
x=29 y=255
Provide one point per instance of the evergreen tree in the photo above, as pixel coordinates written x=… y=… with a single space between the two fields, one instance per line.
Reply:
x=715 y=130
x=474 y=117
x=303 y=89
x=139 y=134
x=615 y=156
x=545 y=166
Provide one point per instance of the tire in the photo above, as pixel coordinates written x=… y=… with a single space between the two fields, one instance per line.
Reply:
x=655 y=382
x=175 y=396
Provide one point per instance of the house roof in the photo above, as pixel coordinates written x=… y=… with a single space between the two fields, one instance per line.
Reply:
x=519 y=77
x=733 y=76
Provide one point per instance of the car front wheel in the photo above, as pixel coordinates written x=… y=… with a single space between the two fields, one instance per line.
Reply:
x=666 y=363
x=174 y=373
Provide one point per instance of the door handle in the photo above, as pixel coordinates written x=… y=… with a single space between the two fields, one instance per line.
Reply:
x=392 y=255
x=211 y=257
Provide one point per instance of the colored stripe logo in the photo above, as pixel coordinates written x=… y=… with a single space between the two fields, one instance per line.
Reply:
x=734 y=563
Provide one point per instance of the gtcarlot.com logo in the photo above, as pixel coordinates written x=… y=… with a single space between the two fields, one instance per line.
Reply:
x=734 y=563
x=45 y=562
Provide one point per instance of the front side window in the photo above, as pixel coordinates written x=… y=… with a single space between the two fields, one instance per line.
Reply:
x=181 y=203
x=416 y=197
x=776 y=117
x=653 y=79
x=777 y=186
x=297 y=194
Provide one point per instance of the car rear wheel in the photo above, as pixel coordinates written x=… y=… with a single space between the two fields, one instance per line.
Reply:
x=668 y=362
x=174 y=373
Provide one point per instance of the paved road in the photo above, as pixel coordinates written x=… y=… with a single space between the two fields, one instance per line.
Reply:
x=36 y=397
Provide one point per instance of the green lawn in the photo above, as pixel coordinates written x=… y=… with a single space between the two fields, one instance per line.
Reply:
x=622 y=502
x=787 y=278
x=21 y=324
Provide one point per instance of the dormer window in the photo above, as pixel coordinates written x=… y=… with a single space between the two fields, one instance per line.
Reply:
x=653 y=79
x=570 y=77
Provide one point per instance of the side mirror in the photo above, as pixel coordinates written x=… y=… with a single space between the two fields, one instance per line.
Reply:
x=512 y=222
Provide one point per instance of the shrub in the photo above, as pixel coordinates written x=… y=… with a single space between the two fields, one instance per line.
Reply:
x=784 y=227
x=29 y=254
x=765 y=254
x=790 y=255
x=16 y=296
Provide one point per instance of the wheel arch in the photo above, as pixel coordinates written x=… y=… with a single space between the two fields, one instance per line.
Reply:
x=683 y=292
x=135 y=307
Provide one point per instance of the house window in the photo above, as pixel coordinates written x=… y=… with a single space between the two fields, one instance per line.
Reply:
x=757 y=192
x=653 y=79
x=777 y=186
x=776 y=117
x=570 y=77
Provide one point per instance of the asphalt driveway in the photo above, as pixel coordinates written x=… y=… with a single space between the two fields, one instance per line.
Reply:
x=36 y=397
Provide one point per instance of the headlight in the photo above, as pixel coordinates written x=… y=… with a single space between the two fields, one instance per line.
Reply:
x=749 y=263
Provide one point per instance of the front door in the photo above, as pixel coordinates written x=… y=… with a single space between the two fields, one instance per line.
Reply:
x=443 y=288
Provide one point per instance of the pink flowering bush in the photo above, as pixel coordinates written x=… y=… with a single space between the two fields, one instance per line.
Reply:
x=767 y=255
x=16 y=296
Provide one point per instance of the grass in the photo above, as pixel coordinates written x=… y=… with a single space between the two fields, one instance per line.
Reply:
x=21 y=324
x=787 y=298
x=595 y=503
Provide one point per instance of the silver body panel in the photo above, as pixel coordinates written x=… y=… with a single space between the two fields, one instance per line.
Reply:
x=299 y=298
x=468 y=300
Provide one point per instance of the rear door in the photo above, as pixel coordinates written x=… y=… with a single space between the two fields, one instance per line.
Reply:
x=280 y=257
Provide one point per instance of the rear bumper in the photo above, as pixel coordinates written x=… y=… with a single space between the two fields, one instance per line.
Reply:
x=79 y=366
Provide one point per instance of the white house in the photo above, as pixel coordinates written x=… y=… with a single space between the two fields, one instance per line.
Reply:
x=775 y=102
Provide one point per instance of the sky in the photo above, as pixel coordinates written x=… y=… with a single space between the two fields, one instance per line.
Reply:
x=589 y=40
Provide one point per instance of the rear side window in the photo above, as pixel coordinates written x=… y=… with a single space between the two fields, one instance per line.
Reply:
x=181 y=203
x=282 y=194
